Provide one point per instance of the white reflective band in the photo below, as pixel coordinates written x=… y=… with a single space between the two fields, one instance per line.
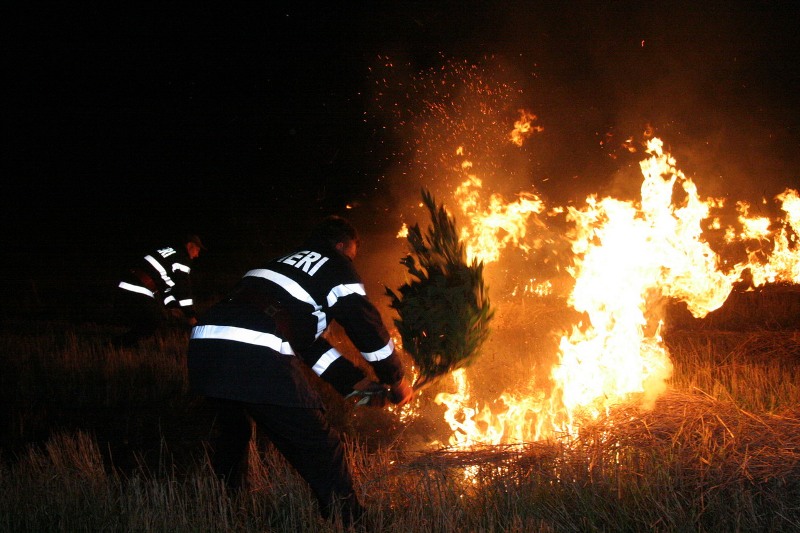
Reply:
x=343 y=290
x=379 y=355
x=136 y=288
x=293 y=288
x=325 y=361
x=169 y=299
x=248 y=336
x=186 y=303
x=181 y=267
x=156 y=265
x=322 y=322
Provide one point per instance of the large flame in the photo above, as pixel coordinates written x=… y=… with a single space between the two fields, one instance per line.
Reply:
x=628 y=258
x=782 y=262
x=608 y=266
x=496 y=225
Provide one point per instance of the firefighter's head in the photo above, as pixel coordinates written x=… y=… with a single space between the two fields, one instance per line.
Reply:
x=339 y=233
x=194 y=245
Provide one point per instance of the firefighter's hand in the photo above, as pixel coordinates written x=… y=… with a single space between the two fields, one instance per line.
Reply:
x=401 y=392
x=371 y=393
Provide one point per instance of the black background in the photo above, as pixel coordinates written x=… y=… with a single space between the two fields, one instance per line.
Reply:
x=245 y=122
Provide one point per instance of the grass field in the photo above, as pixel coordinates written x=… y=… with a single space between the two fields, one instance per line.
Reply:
x=100 y=439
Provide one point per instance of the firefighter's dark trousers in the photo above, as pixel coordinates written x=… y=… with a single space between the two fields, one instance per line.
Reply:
x=142 y=314
x=305 y=439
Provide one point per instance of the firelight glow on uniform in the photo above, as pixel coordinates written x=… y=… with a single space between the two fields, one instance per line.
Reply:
x=246 y=353
x=305 y=291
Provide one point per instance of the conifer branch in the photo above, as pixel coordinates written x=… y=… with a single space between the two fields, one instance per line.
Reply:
x=443 y=309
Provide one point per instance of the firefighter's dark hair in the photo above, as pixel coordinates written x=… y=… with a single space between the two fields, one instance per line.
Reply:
x=193 y=238
x=334 y=229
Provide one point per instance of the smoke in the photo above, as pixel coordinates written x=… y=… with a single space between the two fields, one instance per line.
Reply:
x=715 y=81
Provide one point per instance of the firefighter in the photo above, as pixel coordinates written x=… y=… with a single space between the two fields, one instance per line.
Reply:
x=157 y=290
x=245 y=355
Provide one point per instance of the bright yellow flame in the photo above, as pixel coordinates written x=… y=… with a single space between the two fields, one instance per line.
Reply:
x=403 y=231
x=489 y=228
x=783 y=261
x=628 y=258
x=538 y=288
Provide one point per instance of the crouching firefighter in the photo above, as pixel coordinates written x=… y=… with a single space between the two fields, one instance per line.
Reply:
x=245 y=355
x=157 y=289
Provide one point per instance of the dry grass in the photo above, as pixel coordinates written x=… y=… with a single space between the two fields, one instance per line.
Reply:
x=96 y=439
x=692 y=462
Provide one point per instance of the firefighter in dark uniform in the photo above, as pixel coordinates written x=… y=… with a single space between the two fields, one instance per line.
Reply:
x=157 y=288
x=246 y=351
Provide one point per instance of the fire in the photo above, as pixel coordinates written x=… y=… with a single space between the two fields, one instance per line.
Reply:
x=611 y=263
x=628 y=257
x=782 y=263
x=518 y=419
x=523 y=128
x=403 y=232
x=494 y=225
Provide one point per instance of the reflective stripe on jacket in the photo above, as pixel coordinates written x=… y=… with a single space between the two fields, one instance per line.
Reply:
x=164 y=274
x=296 y=298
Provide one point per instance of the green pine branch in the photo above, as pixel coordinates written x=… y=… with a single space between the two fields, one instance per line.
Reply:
x=443 y=310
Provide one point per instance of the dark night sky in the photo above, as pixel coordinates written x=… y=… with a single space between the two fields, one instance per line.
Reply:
x=126 y=124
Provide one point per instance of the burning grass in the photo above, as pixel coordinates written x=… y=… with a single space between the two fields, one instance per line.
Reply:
x=710 y=443
x=96 y=438
x=719 y=451
x=693 y=462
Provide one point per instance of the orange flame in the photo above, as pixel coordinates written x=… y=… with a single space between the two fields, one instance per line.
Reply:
x=493 y=226
x=628 y=257
x=783 y=260
x=523 y=127
x=624 y=259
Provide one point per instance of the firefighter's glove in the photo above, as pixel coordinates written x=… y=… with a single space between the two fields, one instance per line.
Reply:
x=370 y=393
x=401 y=392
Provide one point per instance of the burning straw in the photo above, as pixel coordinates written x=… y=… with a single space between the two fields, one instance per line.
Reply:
x=689 y=441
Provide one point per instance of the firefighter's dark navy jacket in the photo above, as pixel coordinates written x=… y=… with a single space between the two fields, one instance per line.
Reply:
x=163 y=274
x=248 y=346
